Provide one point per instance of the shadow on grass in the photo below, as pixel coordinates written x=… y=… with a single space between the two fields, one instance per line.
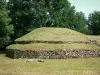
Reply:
x=2 y=51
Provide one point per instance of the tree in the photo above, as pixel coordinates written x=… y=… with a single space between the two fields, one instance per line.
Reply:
x=61 y=13
x=94 y=23
x=28 y=14
x=5 y=26
x=6 y=29
x=21 y=13
x=80 y=23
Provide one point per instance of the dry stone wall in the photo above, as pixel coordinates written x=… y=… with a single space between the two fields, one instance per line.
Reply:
x=61 y=54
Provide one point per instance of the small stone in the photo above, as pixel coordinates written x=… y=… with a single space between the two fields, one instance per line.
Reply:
x=40 y=60
x=32 y=60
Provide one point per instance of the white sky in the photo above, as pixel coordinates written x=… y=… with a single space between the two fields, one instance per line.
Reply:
x=86 y=6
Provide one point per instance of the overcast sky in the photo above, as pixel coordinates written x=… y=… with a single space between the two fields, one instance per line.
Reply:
x=86 y=6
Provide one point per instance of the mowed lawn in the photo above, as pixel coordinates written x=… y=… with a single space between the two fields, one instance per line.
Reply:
x=79 y=66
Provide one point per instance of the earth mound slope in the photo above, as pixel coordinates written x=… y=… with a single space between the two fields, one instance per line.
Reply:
x=48 y=42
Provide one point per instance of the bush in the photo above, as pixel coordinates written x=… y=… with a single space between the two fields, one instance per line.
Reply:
x=4 y=41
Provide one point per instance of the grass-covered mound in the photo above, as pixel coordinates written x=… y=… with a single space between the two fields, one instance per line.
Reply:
x=54 y=43
x=52 y=47
x=52 y=35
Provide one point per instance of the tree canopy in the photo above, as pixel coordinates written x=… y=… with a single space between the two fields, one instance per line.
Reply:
x=80 y=23
x=22 y=16
x=94 y=23
x=29 y=14
x=6 y=29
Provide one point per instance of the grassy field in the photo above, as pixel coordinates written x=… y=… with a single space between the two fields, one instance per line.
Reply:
x=52 y=47
x=86 y=66
x=79 y=66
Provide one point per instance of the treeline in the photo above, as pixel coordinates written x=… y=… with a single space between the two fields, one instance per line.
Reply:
x=28 y=14
x=6 y=28
x=18 y=17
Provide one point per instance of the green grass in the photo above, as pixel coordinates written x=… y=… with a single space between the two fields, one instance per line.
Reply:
x=86 y=66
x=57 y=34
x=53 y=34
x=79 y=66
x=43 y=36
x=96 y=38
x=52 y=47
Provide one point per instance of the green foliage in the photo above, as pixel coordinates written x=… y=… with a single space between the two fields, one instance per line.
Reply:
x=26 y=15
x=80 y=23
x=6 y=29
x=62 y=13
x=83 y=30
x=94 y=23
x=29 y=14
x=2 y=4
x=21 y=13
x=4 y=41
